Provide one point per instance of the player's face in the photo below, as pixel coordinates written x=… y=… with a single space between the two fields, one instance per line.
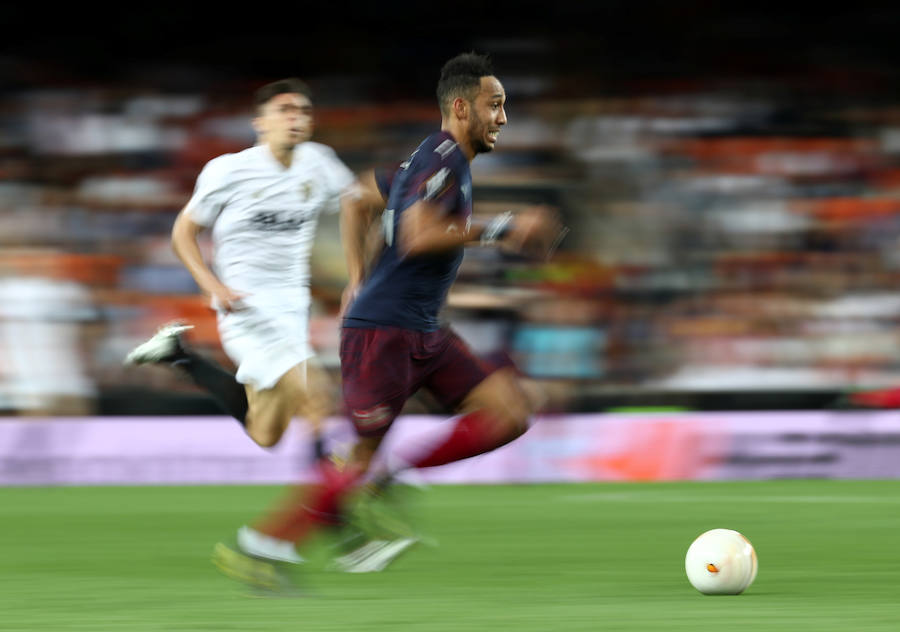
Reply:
x=488 y=115
x=286 y=120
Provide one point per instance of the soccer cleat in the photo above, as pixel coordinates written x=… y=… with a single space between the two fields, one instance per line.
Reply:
x=263 y=546
x=374 y=556
x=264 y=576
x=384 y=512
x=164 y=346
x=379 y=530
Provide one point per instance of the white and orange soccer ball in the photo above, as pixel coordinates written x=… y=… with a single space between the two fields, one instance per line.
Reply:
x=721 y=562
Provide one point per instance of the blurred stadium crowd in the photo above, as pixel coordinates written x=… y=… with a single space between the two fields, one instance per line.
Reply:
x=727 y=236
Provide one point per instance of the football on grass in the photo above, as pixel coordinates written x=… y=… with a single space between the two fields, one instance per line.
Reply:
x=721 y=562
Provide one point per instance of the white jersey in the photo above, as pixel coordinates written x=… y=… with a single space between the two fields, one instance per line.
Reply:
x=264 y=215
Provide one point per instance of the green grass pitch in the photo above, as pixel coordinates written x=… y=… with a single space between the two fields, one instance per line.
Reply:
x=542 y=557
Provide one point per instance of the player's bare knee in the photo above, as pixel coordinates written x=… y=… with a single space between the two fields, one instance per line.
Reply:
x=518 y=421
x=507 y=421
x=264 y=438
x=536 y=396
x=501 y=397
x=264 y=431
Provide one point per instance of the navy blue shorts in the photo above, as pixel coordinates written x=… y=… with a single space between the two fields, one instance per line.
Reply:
x=382 y=368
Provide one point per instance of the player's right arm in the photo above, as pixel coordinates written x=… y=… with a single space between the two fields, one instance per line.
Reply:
x=200 y=213
x=431 y=224
x=426 y=228
x=358 y=213
x=357 y=216
x=186 y=245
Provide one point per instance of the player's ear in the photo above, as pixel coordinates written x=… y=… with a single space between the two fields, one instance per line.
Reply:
x=461 y=108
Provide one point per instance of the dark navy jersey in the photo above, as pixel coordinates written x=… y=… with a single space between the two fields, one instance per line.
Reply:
x=409 y=292
x=384 y=178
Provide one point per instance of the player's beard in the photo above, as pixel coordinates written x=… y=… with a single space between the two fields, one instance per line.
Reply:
x=477 y=135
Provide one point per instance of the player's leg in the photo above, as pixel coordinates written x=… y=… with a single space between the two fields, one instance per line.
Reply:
x=305 y=508
x=495 y=407
x=262 y=554
x=379 y=526
x=270 y=410
x=264 y=575
x=377 y=377
x=305 y=390
x=495 y=413
x=495 y=410
x=270 y=347
x=167 y=346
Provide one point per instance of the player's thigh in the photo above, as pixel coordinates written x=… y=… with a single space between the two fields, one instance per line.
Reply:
x=377 y=377
x=316 y=397
x=264 y=343
x=504 y=388
x=270 y=410
x=457 y=373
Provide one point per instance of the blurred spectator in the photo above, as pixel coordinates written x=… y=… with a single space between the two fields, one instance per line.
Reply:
x=730 y=239
x=42 y=311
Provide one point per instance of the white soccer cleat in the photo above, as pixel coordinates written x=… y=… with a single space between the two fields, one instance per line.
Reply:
x=374 y=556
x=163 y=345
x=257 y=544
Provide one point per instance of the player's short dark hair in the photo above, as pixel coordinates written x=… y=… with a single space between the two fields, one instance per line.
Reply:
x=267 y=92
x=461 y=77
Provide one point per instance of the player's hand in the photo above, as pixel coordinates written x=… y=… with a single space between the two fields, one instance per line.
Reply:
x=226 y=299
x=536 y=232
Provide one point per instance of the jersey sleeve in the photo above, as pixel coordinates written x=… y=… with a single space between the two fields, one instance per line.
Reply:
x=210 y=193
x=336 y=176
x=436 y=177
x=384 y=178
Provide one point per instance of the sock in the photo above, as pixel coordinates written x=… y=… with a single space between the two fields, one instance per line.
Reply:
x=473 y=434
x=227 y=391
x=306 y=508
x=887 y=398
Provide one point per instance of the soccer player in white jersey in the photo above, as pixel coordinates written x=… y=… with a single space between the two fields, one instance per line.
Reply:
x=262 y=206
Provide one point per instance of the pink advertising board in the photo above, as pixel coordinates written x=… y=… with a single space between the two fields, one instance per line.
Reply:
x=565 y=448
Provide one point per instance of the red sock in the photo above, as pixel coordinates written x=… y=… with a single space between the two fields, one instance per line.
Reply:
x=887 y=398
x=475 y=433
x=308 y=507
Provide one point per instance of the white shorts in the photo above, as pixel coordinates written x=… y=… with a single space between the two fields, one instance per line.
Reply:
x=265 y=342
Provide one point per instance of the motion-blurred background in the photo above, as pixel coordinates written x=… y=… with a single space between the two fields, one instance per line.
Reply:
x=731 y=175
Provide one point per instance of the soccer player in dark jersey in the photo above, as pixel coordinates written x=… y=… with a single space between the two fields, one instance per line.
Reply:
x=392 y=342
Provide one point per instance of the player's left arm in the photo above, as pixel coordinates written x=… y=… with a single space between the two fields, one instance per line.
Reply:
x=535 y=231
